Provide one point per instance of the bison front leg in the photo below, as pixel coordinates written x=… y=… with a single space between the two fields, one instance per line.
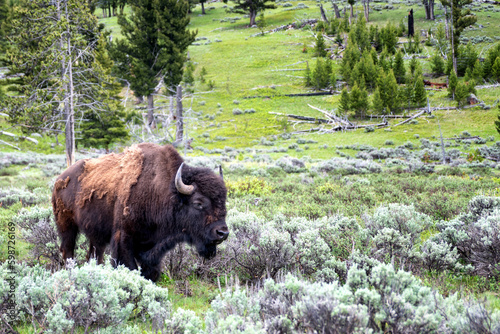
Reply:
x=122 y=250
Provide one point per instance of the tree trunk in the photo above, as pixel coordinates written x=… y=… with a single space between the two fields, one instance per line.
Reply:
x=366 y=7
x=103 y=13
x=180 y=123
x=253 y=15
x=109 y=11
x=323 y=15
x=70 y=103
x=203 y=8
x=336 y=9
x=352 y=14
x=431 y=8
x=151 y=107
x=446 y=22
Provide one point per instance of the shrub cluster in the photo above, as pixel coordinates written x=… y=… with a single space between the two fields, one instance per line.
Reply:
x=377 y=300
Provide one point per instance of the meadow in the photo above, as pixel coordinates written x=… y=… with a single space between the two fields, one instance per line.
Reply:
x=331 y=232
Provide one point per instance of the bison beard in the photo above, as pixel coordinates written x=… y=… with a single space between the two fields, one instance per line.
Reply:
x=142 y=203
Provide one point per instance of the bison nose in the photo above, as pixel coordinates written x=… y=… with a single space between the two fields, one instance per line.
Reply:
x=222 y=234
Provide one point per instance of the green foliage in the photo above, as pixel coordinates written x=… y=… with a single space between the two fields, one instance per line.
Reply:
x=452 y=84
x=377 y=103
x=344 y=101
x=261 y=23
x=90 y=297
x=155 y=44
x=399 y=68
x=495 y=70
x=251 y=7
x=321 y=74
x=437 y=65
x=320 y=46
x=249 y=185
x=419 y=94
x=388 y=38
x=104 y=127
x=462 y=18
x=358 y=101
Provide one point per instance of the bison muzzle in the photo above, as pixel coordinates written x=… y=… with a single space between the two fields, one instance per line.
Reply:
x=142 y=203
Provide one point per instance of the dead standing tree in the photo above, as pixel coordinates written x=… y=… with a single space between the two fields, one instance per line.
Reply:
x=56 y=53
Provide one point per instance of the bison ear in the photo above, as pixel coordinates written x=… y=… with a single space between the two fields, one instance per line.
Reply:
x=181 y=187
x=220 y=172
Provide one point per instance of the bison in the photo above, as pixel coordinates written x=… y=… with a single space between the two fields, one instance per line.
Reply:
x=142 y=203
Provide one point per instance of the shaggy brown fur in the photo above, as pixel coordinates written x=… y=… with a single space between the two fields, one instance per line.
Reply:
x=112 y=175
x=130 y=201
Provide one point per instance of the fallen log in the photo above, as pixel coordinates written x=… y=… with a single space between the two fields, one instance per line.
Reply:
x=291 y=95
x=302 y=118
x=332 y=116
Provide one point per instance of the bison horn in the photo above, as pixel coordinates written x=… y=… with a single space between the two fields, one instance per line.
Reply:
x=181 y=187
x=220 y=172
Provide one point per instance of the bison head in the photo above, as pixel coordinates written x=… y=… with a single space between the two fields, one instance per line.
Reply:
x=202 y=211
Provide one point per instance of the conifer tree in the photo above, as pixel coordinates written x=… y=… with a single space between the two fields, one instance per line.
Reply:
x=399 y=68
x=56 y=44
x=419 y=94
x=308 y=79
x=320 y=46
x=462 y=18
x=391 y=91
x=104 y=126
x=251 y=7
x=495 y=70
x=358 y=100
x=477 y=72
x=377 y=103
x=344 y=101
x=154 y=47
x=437 y=64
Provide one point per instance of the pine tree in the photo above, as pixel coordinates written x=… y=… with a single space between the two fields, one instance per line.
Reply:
x=251 y=7
x=154 y=46
x=105 y=126
x=419 y=94
x=320 y=49
x=495 y=70
x=344 y=101
x=413 y=65
x=462 y=18
x=56 y=51
x=461 y=93
x=308 y=79
x=358 y=100
x=399 y=68
x=377 y=103
x=477 y=72
x=437 y=65
x=391 y=91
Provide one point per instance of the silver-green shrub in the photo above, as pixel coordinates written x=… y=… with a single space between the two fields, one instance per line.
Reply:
x=89 y=297
x=396 y=230
x=476 y=235
x=381 y=300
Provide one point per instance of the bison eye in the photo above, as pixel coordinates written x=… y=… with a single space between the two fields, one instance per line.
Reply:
x=198 y=205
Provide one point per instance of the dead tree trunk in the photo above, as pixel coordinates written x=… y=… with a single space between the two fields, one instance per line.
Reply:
x=323 y=15
x=180 y=124
x=366 y=7
x=336 y=9
x=151 y=107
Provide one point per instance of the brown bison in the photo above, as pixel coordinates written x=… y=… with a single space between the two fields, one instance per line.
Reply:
x=142 y=202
